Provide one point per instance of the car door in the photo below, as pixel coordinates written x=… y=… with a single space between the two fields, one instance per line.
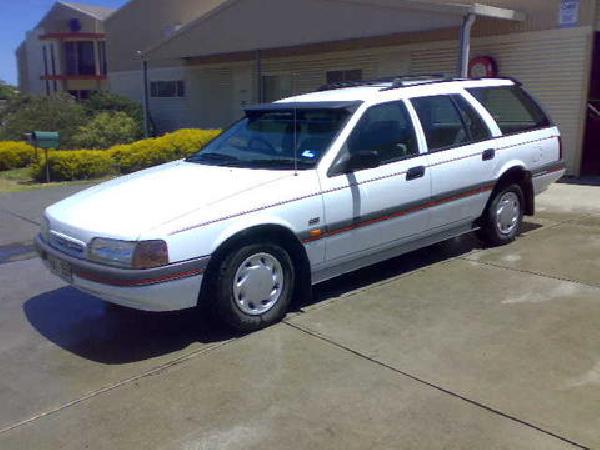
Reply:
x=461 y=158
x=377 y=201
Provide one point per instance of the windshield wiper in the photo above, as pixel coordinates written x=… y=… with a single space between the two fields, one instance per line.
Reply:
x=281 y=163
x=214 y=157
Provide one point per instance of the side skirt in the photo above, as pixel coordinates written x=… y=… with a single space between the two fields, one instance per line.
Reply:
x=377 y=256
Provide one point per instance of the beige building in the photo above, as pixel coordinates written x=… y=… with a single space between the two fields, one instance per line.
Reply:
x=207 y=59
x=65 y=52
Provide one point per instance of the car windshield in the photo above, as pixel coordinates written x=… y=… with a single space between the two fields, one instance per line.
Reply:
x=276 y=139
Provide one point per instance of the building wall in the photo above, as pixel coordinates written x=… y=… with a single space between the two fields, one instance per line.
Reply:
x=128 y=83
x=22 y=76
x=33 y=57
x=30 y=54
x=553 y=64
x=559 y=82
x=57 y=21
x=541 y=15
x=140 y=24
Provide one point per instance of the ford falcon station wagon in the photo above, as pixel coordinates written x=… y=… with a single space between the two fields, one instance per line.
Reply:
x=305 y=189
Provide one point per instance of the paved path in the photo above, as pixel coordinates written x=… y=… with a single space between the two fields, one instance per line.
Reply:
x=452 y=346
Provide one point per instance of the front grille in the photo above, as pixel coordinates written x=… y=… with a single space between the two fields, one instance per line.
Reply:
x=65 y=244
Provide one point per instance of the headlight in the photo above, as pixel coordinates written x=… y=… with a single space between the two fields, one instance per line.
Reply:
x=45 y=229
x=133 y=255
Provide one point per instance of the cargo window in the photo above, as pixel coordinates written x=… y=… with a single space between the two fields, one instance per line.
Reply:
x=513 y=109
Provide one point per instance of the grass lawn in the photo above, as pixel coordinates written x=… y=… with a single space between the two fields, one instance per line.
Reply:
x=18 y=180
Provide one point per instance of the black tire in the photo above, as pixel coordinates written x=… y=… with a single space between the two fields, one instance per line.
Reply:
x=223 y=300
x=490 y=232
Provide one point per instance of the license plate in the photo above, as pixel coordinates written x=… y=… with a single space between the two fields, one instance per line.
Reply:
x=60 y=268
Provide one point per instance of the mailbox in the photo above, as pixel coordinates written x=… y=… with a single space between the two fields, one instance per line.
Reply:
x=45 y=139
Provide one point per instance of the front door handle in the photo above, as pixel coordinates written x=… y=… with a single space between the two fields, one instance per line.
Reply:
x=488 y=154
x=415 y=172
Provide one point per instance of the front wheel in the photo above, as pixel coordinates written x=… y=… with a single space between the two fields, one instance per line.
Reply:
x=502 y=221
x=254 y=286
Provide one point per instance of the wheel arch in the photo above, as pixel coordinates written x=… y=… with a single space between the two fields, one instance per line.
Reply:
x=268 y=232
x=516 y=173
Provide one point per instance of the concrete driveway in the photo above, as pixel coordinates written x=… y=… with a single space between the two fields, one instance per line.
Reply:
x=453 y=346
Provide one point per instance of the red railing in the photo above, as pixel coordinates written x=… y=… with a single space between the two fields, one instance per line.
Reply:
x=72 y=35
x=73 y=77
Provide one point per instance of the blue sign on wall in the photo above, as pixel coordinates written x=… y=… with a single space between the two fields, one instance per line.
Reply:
x=75 y=25
x=569 y=13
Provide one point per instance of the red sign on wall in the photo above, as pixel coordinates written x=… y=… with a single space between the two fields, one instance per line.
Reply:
x=483 y=67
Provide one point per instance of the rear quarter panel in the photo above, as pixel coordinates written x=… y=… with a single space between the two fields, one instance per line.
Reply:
x=531 y=150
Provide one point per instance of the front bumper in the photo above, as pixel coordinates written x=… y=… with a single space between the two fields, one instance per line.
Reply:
x=168 y=288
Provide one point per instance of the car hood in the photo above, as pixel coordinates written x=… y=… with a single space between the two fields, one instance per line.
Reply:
x=128 y=206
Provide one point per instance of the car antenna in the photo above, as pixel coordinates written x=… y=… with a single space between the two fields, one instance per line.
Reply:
x=295 y=143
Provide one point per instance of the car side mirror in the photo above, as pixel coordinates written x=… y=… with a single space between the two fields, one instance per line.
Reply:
x=362 y=159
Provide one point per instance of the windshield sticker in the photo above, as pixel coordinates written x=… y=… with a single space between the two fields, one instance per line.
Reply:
x=308 y=154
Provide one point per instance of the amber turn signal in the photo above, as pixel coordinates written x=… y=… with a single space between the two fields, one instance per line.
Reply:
x=149 y=254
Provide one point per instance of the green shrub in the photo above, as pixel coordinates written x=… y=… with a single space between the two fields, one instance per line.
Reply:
x=74 y=165
x=7 y=91
x=15 y=154
x=122 y=159
x=104 y=101
x=60 y=112
x=154 y=151
x=107 y=129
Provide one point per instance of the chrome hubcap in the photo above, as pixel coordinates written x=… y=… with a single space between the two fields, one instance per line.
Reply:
x=508 y=212
x=258 y=284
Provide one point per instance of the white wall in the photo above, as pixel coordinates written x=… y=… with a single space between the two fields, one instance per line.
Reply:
x=35 y=62
x=167 y=114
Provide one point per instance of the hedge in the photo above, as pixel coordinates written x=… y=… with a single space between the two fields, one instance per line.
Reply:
x=14 y=155
x=71 y=165
x=151 y=152
x=74 y=165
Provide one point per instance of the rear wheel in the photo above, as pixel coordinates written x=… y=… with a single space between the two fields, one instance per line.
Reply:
x=503 y=220
x=254 y=286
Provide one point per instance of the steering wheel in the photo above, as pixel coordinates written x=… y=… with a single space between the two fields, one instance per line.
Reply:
x=265 y=145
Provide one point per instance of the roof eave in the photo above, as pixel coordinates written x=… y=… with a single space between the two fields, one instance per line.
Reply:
x=83 y=11
x=495 y=12
x=459 y=9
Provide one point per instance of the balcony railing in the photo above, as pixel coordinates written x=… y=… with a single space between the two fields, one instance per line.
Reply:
x=72 y=36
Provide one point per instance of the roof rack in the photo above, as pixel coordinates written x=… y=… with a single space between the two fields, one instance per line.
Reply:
x=407 y=81
x=396 y=82
x=418 y=80
x=350 y=84
x=392 y=82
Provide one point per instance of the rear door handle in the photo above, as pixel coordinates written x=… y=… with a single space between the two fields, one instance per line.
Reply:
x=488 y=154
x=415 y=172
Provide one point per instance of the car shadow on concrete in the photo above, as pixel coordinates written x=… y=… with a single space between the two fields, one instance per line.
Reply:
x=105 y=333
x=101 y=332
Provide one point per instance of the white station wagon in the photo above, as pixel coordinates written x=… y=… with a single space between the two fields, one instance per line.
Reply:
x=305 y=189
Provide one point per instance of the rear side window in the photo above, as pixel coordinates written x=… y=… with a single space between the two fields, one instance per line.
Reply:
x=449 y=121
x=513 y=109
x=476 y=127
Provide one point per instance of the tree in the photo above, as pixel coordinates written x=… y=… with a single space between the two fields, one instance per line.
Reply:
x=103 y=101
x=24 y=113
x=106 y=129
x=7 y=91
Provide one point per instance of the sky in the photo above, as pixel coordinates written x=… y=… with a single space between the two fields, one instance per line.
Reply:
x=19 y=16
